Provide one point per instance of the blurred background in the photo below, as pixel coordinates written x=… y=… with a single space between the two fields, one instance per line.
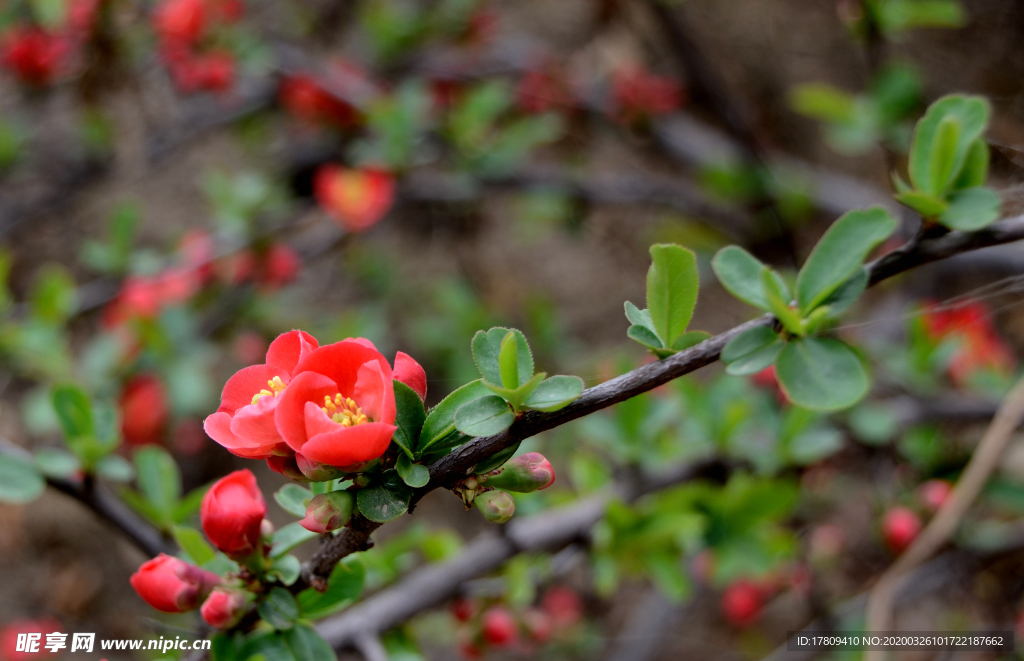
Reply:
x=182 y=180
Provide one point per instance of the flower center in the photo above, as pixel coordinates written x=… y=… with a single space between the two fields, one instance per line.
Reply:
x=276 y=386
x=344 y=411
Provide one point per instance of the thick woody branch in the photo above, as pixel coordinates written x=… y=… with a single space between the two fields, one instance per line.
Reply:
x=448 y=470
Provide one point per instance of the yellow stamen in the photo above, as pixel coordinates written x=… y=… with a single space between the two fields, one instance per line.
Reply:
x=344 y=411
x=276 y=386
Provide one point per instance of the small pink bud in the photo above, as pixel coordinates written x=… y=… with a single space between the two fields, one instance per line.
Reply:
x=497 y=506
x=933 y=493
x=524 y=474
x=899 y=528
x=499 y=627
x=225 y=607
x=328 y=511
x=741 y=603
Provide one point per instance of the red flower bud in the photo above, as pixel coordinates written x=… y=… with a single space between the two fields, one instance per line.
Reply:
x=499 y=627
x=563 y=605
x=328 y=511
x=144 y=410
x=899 y=528
x=524 y=474
x=288 y=467
x=497 y=506
x=463 y=609
x=181 y=21
x=232 y=512
x=411 y=373
x=933 y=493
x=33 y=55
x=315 y=472
x=225 y=607
x=741 y=603
x=172 y=585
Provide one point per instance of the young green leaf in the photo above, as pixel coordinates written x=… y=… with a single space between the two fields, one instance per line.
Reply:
x=822 y=374
x=971 y=209
x=779 y=306
x=516 y=397
x=288 y=537
x=115 y=468
x=751 y=351
x=285 y=570
x=486 y=346
x=293 y=499
x=344 y=586
x=941 y=161
x=848 y=293
x=740 y=274
x=57 y=463
x=839 y=254
x=671 y=290
x=440 y=422
x=409 y=418
x=508 y=357
x=555 y=393
x=158 y=478
x=975 y=170
x=496 y=460
x=935 y=161
x=20 y=481
x=689 y=339
x=192 y=542
x=385 y=501
x=414 y=475
x=644 y=336
x=279 y=609
x=74 y=410
x=305 y=644
x=639 y=317
x=484 y=417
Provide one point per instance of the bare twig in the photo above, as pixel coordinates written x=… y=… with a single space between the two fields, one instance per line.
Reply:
x=984 y=460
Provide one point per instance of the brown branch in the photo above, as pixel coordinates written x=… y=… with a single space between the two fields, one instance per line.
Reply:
x=460 y=462
x=938 y=531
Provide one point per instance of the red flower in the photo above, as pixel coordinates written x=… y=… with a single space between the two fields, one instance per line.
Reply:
x=741 y=603
x=244 y=423
x=215 y=71
x=172 y=585
x=339 y=408
x=357 y=199
x=9 y=638
x=499 y=627
x=33 y=55
x=225 y=607
x=411 y=373
x=979 y=348
x=637 y=94
x=280 y=266
x=563 y=606
x=180 y=21
x=899 y=528
x=143 y=410
x=232 y=513
x=306 y=99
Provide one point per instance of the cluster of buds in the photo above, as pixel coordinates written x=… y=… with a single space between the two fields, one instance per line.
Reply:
x=186 y=30
x=489 y=491
x=979 y=348
x=484 y=627
x=38 y=56
x=232 y=516
x=638 y=95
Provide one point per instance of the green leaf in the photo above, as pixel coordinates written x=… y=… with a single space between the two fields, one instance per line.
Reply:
x=439 y=427
x=57 y=463
x=386 y=500
x=20 y=481
x=928 y=206
x=689 y=339
x=484 y=417
x=190 y=504
x=666 y=572
x=50 y=14
x=555 y=393
x=823 y=102
x=293 y=499
x=53 y=295
x=813 y=445
x=305 y=644
x=414 y=475
x=516 y=397
x=344 y=586
x=671 y=290
x=780 y=306
x=822 y=374
x=115 y=468
x=975 y=170
x=487 y=348
x=740 y=274
x=839 y=254
x=644 y=336
x=496 y=460
x=751 y=351
x=279 y=609
x=640 y=318
x=508 y=357
x=285 y=569
x=288 y=537
x=971 y=209
x=409 y=418
x=841 y=299
x=931 y=155
x=194 y=544
x=74 y=410
x=158 y=478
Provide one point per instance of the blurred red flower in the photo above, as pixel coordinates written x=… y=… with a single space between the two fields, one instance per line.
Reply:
x=33 y=55
x=355 y=198
x=144 y=410
x=638 y=94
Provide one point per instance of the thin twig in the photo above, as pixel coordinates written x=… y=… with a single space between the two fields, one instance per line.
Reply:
x=938 y=531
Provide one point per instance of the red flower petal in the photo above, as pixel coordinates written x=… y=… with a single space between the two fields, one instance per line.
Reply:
x=245 y=383
x=411 y=373
x=286 y=350
x=255 y=423
x=341 y=362
x=350 y=445
x=374 y=393
x=218 y=427
x=290 y=417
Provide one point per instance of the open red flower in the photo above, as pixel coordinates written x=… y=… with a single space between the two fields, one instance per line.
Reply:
x=172 y=585
x=244 y=423
x=232 y=513
x=339 y=408
x=357 y=199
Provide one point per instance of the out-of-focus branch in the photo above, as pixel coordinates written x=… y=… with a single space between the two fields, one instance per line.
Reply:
x=451 y=468
x=551 y=530
x=938 y=531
